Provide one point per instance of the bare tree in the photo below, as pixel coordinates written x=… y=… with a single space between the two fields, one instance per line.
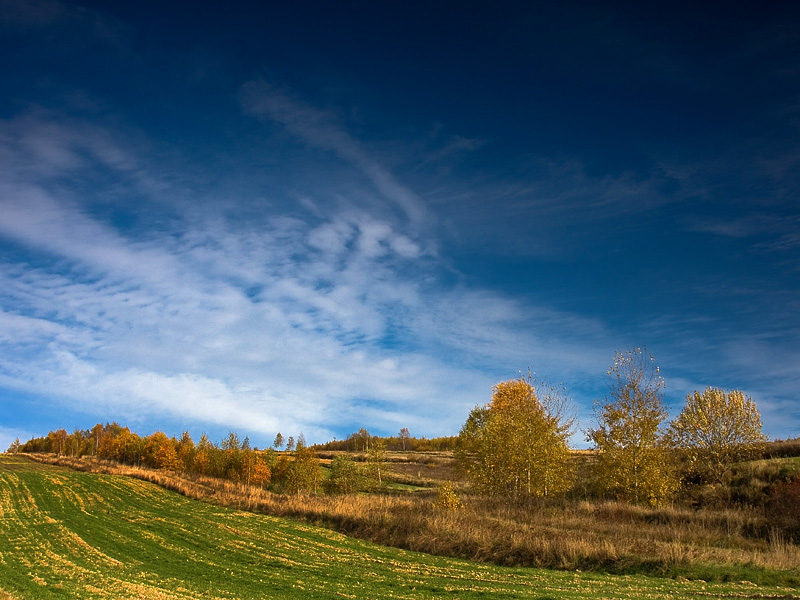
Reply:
x=404 y=435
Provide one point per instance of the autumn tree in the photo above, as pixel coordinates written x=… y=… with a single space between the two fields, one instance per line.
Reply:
x=261 y=472
x=96 y=434
x=14 y=447
x=160 y=452
x=202 y=457
x=278 y=443
x=717 y=428
x=58 y=441
x=517 y=444
x=290 y=443
x=105 y=437
x=186 y=450
x=247 y=464
x=345 y=476
x=376 y=461
x=75 y=443
x=633 y=461
x=126 y=447
x=231 y=442
x=304 y=474
x=362 y=438
x=447 y=497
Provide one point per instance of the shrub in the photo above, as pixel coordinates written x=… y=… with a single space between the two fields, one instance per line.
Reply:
x=447 y=498
x=345 y=476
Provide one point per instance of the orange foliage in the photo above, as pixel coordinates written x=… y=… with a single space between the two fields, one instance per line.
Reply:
x=261 y=473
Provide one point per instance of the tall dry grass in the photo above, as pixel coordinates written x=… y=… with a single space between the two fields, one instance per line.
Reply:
x=566 y=535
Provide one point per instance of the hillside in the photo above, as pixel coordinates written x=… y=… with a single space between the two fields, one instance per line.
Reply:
x=67 y=534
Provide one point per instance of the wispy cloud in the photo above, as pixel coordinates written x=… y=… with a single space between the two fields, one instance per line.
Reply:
x=563 y=206
x=320 y=129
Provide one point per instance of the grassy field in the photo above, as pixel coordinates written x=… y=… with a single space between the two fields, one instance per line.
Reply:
x=66 y=534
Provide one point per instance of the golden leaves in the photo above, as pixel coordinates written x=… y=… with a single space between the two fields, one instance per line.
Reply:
x=717 y=428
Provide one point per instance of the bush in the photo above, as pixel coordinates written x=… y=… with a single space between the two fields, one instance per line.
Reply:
x=447 y=498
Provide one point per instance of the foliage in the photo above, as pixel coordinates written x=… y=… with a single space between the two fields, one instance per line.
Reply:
x=278 y=443
x=517 y=444
x=160 y=453
x=360 y=440
x=304 y=474
x=232 y=460
x=634 y=462
x=261 y=472
x=447 y=498
x=345 y=476
x=717 y=428
x=231 y=442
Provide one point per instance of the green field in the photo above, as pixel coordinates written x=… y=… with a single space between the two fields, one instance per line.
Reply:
x=66 y=534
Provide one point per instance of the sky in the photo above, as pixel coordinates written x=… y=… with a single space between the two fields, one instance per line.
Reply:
x=312 y=217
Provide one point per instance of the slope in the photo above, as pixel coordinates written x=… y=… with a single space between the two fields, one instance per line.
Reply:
x=66 y=534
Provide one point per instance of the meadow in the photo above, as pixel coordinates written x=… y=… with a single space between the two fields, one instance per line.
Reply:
x=69 y=534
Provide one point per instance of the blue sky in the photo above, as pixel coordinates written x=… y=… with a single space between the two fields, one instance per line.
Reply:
x=314 y=217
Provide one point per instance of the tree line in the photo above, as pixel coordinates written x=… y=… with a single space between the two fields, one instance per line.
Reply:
x=232 y=458
x=295 y=470
x=361 y=440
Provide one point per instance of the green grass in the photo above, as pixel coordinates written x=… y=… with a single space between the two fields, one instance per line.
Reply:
x=66 y=534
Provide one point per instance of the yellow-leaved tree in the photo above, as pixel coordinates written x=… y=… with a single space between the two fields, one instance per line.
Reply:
x=634 y=459
x=717 y=428
x=517 y=444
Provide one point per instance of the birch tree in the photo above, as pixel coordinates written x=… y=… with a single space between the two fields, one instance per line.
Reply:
x=717 y=428
x=517 y=444
x=633 y=459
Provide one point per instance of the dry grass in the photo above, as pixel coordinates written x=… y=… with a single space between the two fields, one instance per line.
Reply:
x=574 y=535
